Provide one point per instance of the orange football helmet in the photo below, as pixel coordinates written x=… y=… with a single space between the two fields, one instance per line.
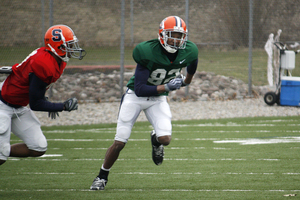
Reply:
x=61 y=40
x=167 y=27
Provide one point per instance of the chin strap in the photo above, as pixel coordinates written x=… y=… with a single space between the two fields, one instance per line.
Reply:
x=65 y=59
x=169 y=49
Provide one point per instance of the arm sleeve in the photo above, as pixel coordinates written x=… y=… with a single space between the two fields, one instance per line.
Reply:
x=37 y=101
x=141 y=88
x=191 y=69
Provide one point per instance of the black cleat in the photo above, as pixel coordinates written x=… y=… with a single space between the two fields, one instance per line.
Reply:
x=157 y=151
x=98 y=184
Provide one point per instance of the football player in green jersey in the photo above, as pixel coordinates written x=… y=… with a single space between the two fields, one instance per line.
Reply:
x=159 y=63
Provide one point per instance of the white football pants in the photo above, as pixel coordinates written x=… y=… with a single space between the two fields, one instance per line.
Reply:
x=157 y=111
x=24 y=124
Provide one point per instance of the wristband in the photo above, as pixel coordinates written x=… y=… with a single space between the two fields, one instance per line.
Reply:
x=184 y=84
x=166 y=88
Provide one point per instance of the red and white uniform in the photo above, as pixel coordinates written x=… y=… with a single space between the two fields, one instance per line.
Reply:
x=15 y=90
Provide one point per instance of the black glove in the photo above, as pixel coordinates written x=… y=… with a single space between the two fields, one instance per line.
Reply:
x=53 y=115
x=71 y=104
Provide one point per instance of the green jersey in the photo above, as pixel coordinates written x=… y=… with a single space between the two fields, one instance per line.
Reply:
x=150 y=55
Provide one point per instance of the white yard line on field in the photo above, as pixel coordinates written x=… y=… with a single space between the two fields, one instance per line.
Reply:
x=164 y=173
x=144 y=190
x=251 y=141
x=271 y=140
x=263 y=123
x=144 y=159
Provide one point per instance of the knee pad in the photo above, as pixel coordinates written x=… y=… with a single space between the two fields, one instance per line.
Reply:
x=127 y=116
x=5 y=150
x=164 y=127
x=5 y=122
x=43 y=144
x=164 y=124
x=123 y=133
x=40 y=144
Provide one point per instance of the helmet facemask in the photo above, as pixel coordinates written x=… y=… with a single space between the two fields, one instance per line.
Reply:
x=72 y=48
x=172 y=48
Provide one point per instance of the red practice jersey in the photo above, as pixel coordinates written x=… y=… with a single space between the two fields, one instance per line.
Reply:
x=15 y=89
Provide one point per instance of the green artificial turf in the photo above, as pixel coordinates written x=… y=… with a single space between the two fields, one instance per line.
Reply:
x=240 y=158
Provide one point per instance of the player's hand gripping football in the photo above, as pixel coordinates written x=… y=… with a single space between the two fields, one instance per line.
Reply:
x=71 y=104
x=174 y=84
x=183 y=84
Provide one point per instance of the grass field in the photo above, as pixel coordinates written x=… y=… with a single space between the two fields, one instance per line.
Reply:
x=244 y=158
x=232 y=63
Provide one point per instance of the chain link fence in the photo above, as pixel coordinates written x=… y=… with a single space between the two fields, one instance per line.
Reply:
x=220 y=28
x=97 y=22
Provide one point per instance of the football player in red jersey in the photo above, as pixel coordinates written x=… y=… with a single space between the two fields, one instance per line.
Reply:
x=27 y=84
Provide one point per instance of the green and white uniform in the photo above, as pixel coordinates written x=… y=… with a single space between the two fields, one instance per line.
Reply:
x=150 y=54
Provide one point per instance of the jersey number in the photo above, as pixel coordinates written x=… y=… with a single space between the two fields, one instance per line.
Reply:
x=158 y=76
x=31 y=54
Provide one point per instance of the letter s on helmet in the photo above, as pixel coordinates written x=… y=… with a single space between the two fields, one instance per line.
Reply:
x=61 y=40
x=169 y=25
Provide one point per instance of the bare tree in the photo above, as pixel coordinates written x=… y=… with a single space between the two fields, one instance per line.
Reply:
x=235 y=16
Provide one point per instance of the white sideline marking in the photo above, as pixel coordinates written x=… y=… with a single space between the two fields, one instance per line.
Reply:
x=179 y=131
x=169 y=148
x=163 y=173
x=78 y=140
x=199 y=173
x=222 y=125
x=48 y=173
x=89 y=148
x=229 y=124
x=92 y=140
x=87 y=140
x=110 y=140
x=143 y=190
x=232 y=140
x=276 y=120
x=255 y=131
x=82 y=130
x=51 y=155
x=215 y=140
x=184 y=148
x=219 y=148
x=262 y=141
x=141 y=159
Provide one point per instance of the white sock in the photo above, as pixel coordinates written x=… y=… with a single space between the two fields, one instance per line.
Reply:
x=104 y=168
